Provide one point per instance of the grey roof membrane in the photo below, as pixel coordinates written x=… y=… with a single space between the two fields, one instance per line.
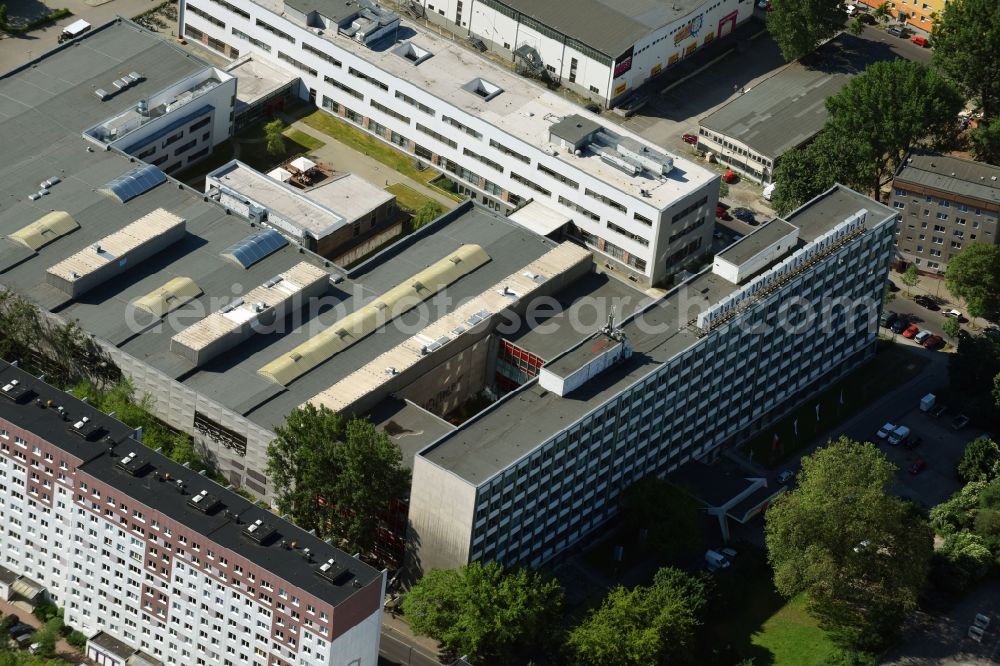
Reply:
x=966 y=178
x=789 y=108
x=761 y=238
x=517 y=424
x=168 y=501
x=45 y=141
x=610 y=26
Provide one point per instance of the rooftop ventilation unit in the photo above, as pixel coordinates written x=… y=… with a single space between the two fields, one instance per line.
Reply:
x=86 y=429
x=334 y=572
x=15 y=391
x=258 y=531
x=204 y=502
x=132 y=464
x=119 y=85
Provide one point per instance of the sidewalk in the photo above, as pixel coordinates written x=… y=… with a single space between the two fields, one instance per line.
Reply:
x=343 y=158
x=420 y=649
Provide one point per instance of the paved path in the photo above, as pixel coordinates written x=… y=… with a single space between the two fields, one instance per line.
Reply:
x=345 y=158
x=63 y=649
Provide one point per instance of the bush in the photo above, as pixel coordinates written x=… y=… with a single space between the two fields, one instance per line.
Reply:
x=965 y=558
x=77 y=639
x=46 y=611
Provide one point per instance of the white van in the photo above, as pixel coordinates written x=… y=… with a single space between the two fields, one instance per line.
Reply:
x=716 y=560
x=769 y=191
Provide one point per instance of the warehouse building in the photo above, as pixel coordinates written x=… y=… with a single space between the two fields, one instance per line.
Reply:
x=601 y=49
x=945 y=202
x=156 y=564
x=505 y=141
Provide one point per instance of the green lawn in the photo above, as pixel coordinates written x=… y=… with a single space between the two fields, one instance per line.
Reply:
x=410 y=199
x=892 y=366
x=351 y=136
x=307 y=140
x=793 y=638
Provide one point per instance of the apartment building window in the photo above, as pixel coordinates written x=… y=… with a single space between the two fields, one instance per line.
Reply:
x=320 y=54
x=263 y=46
x=369 y=79
x=440 y=137
x=533 y=185
x=485 y=160
x=197 y=11
x=898 y=204
x=580 y=209
x=558 y=176
x=296 y=64
x=938 y=228
x=468 y=130
x=389 y=112
x=274 y=31
x=507 y=151
x=942 y=216
x=406 y=99
x=233 y=9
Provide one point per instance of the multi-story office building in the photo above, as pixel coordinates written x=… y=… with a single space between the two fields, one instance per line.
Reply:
x=782 y=312
x=920 y=14
x=945 y=202
x=151 y=559
x=602 y=49
x=506 y=141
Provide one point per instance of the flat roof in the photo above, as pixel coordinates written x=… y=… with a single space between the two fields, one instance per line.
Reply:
x=218 y=526
x=350 y=195
x=977 y=180
x=44 y=109
x=789 y=107
x=519 y=422
x=756 y=241
x=410 y=426
x=524 y=110
x=296 y=209
x=256 y=79
x=610 y=26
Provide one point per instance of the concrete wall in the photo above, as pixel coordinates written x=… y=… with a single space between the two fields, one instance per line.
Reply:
x=453 y=382
x=441 y=512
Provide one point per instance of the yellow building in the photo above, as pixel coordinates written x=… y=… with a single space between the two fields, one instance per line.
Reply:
x=919 y=13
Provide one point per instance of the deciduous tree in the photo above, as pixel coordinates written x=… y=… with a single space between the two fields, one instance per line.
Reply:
x=910 y=277
x=274 y=137
x=337 y=477
x=980 y=461
x=810 y=170
x=799 y=25
x=860 y=554
x=485 y=612
x=645 y=625
x=974 y=276
x=951 y=328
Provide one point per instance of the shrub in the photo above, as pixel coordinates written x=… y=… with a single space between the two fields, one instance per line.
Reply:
x=77 y=639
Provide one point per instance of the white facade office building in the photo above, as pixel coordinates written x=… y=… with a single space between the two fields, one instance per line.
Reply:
x=506 y=141
x=602 y=49
x=713 y=363
x=155 y=563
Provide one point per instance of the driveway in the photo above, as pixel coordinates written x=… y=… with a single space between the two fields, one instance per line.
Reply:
x=942 y=640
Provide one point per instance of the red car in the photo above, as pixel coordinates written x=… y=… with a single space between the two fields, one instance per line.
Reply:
x=729 y=177
x=918 y=466
x=911 y=331
x=689 y=138
x=722 y=213
x=933 y=342
x=919 y=41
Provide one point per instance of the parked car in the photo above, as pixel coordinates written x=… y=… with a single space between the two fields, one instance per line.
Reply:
x=933 y=342
x=892 y=286
x=887 y=318
x=730 y=177
x=953 y=313
x=897 y=31
x=593 y=107
x=911 y=331
x=918 y=466
x=689 y=138
x=722 y=213
x=867 y=19
x=959 y=422
x=926 y=301
x=20 y=629
x=716 y=560
x=922 y=42
x=922 y=335
x=912 y=442
x=744 y=215
x=886 y=430
x=899 y=325
x=938 y=410
x=730 y=553
x=785 y=475
x=897 y=436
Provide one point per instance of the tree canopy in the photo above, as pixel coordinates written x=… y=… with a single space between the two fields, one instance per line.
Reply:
x=850 y=150
x=972 y=372
x=485 y=612
x=642 y=626
x=339 y=478
x=860 y=554
x=974 y=276
x=967 y=48
x=980 y=461
x=274 y=137
x=799 y=25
